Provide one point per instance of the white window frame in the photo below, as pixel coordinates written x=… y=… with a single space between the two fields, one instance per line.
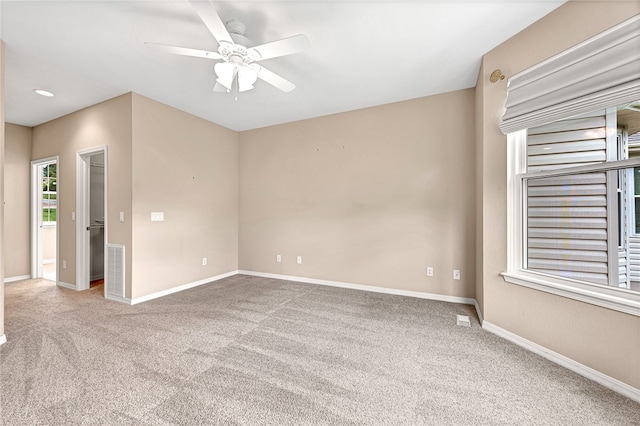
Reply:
x=632 y=210
x=619 y=299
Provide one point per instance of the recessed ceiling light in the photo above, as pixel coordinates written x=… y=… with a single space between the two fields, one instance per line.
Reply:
x=42 y=92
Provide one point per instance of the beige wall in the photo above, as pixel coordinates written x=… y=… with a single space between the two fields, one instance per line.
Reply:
x=17 y=189
x=369 y=197
x=2 y=238
x=605 y=340
x=107 y=123
x=187 y=168
x=159 y=159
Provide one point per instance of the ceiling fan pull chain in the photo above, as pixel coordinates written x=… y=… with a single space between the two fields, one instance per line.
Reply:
x=237 y=86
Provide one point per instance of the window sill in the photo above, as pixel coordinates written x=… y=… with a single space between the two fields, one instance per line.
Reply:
x=616 y=299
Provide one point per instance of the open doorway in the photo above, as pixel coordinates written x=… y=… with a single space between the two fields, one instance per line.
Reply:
x=44 y=218
x=91 y=217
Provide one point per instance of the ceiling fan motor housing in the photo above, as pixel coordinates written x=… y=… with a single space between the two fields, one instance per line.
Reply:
x=237 y=54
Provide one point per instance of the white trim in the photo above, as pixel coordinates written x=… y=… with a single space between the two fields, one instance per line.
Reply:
x=105 y=230
x=36 y=214
x=516 y=164
x=66 y=285
x=183 y=287
x=478 y=311
x=588 y=372
x=612 y=197
x=3 y=339
x=397 y=292
x=124 y=300
x=596 y=167
x=618 y=299
x=17 y=278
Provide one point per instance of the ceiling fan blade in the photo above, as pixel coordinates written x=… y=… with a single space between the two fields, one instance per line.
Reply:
x=275 y=80
x=186 y=51
x=286 y=46
x=207 y=12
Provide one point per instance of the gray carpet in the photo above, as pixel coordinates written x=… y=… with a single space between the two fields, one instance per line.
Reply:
x=247 y=350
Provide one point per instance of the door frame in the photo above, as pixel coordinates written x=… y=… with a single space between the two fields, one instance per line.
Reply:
x=36 y=211
x=83 y=185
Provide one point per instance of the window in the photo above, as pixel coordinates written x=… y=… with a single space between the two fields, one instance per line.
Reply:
x=573 y=171
x=49 y=193
x=573 y=209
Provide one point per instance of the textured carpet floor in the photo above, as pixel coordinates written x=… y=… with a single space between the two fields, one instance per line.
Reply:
x=247 y=350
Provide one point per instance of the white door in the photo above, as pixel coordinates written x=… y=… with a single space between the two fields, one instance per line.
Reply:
x=90 y=223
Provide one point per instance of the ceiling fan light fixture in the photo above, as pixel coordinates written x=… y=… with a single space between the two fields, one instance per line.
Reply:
x=243 y=86
x=246 y=77
x=225 y=72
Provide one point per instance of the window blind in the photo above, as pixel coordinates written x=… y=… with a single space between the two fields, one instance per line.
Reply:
x=599 y=73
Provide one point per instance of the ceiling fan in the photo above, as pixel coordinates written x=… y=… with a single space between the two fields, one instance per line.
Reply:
x=238 y=69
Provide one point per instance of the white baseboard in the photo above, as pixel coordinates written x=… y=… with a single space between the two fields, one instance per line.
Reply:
x=187 y=286
x=18 y=278
x=393 y=291
x=588 y=372
x=66 y=285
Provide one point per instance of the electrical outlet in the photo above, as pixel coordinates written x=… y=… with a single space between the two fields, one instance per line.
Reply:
x=429 y=271
x=299 y=260
x=204 y=261
x=456 y=274
x=278 y=258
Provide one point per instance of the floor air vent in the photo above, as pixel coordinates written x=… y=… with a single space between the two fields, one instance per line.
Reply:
x=115 y=270
x=463 y=320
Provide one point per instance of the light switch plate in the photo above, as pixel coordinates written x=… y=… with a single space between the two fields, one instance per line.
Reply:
x=157 y=216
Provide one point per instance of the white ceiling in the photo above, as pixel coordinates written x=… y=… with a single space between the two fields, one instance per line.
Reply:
x=363 y=53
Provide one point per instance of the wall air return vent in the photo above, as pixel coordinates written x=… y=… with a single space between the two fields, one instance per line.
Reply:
x=115 y=271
